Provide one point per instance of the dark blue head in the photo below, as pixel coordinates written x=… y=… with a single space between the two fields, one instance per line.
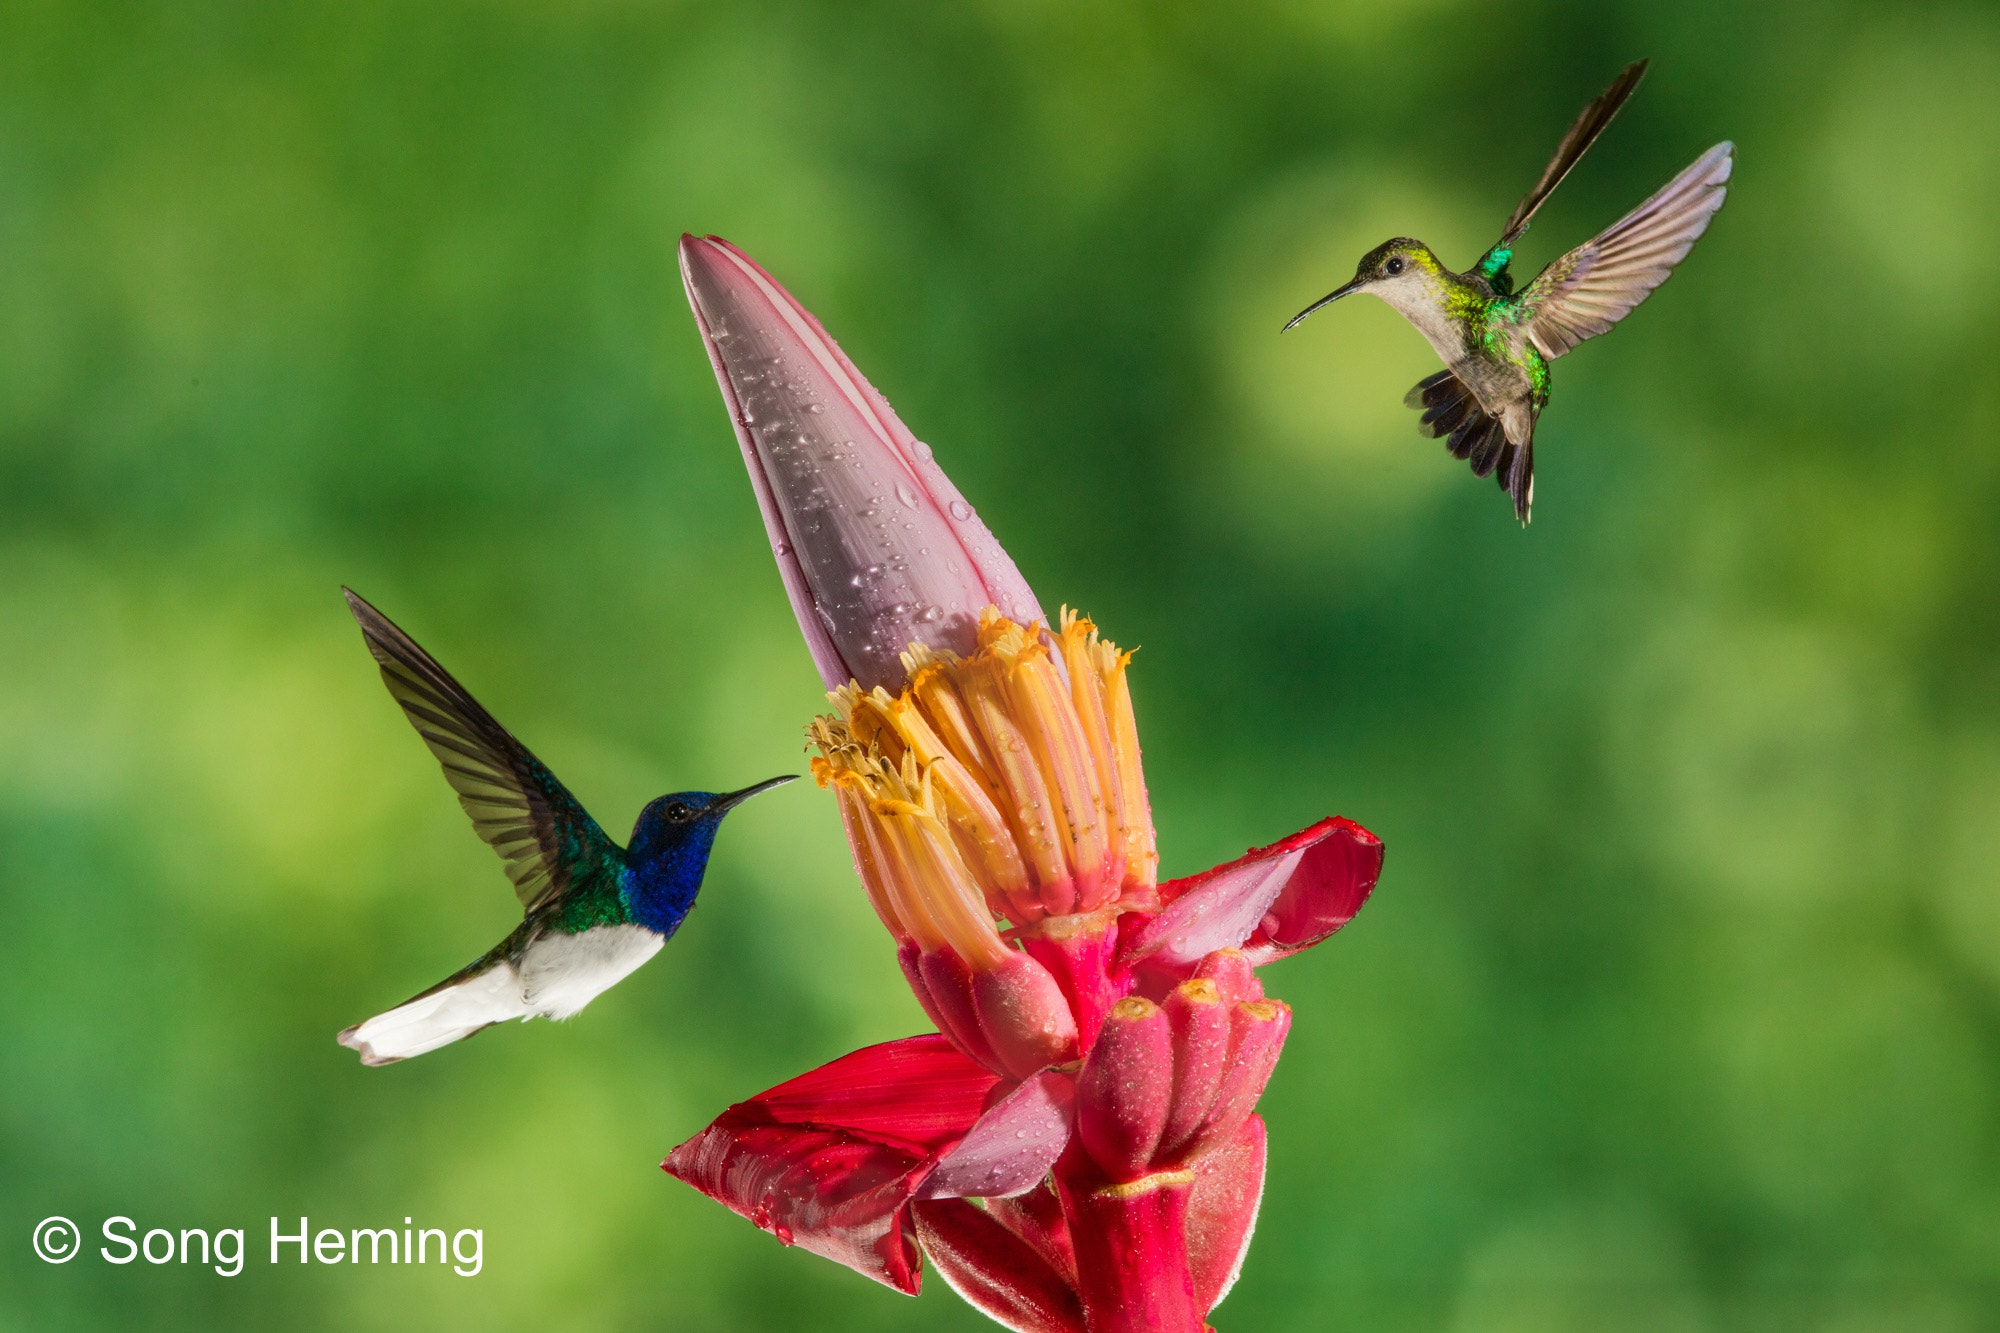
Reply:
x=669 y=852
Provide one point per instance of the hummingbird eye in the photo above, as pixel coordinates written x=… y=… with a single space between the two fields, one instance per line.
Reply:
x=1394 y=266
x=677 y=812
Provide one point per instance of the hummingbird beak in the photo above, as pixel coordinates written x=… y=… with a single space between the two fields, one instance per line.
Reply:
x=736 y=798
x=1326 y=300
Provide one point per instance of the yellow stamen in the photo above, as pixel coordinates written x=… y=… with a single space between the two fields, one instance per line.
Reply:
x=1055 y=737
x=1135 y=813
x=993 y=787
x=984 y=683
x=853 y=804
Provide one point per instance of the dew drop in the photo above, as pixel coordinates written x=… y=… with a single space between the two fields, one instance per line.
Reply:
x=906 y=495
x=923 y=450
x=782 y=548
x=815 y=408
x=960 y=510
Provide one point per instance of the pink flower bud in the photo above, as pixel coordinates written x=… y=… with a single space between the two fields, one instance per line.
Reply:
x=1123 y=1090
x=1257 y=1035
x=1023 y=1016
x=947 y=981
x=1232 y=974
x=1200 y=1024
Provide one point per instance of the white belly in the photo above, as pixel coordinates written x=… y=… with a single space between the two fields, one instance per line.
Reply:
x=560 y=974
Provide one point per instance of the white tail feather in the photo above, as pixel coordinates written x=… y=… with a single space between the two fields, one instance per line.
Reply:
x=440 y=1018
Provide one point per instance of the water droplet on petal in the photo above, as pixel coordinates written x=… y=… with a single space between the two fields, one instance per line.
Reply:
x=906 y=495
x=815 y=407
x=782 y=548
x=960 y=510
x=923 y=450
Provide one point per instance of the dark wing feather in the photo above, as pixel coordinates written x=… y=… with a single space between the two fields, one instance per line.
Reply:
x=515 y=803
x=1590 y=123
x=1597 y=284
x=1452 y=412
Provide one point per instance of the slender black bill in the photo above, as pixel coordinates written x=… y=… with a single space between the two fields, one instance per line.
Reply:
x=1323 y=301
x=737 y=798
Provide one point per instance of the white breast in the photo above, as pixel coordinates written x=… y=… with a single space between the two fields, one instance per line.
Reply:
x=560 y=974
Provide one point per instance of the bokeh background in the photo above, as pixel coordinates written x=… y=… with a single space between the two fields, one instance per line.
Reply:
x=1678 y=1008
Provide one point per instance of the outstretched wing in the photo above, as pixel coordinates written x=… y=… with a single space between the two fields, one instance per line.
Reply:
x=1597 y=284
x=515 y=803
x=1590 y=123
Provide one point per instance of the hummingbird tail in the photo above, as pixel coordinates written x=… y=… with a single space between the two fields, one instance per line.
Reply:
x=440 y=1016
x=1517 y=476
x=1452 y=412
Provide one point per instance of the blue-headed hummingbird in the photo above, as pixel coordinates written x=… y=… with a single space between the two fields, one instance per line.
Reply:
x=593 y=911
x=1496 y=342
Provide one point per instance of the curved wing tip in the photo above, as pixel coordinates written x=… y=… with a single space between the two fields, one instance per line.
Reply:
x=361 y=608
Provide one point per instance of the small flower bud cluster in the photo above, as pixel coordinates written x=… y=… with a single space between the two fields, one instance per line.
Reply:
x=1165 y=1082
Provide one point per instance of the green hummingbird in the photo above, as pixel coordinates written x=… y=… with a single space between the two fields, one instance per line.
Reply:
x=1497 y=343
x=593 y=911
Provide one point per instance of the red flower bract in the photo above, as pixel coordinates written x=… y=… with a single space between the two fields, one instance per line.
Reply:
x=1076 y=1148
x=831 y=1160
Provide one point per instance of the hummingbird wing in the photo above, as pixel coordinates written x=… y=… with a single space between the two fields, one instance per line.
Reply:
x=1590 y=123
x=1597 y=284
x=546 y=838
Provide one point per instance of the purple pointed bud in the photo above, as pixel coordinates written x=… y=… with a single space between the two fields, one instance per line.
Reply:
x=876 y=547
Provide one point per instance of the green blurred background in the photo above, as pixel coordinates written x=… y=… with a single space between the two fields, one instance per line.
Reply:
x=1679 y=1005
